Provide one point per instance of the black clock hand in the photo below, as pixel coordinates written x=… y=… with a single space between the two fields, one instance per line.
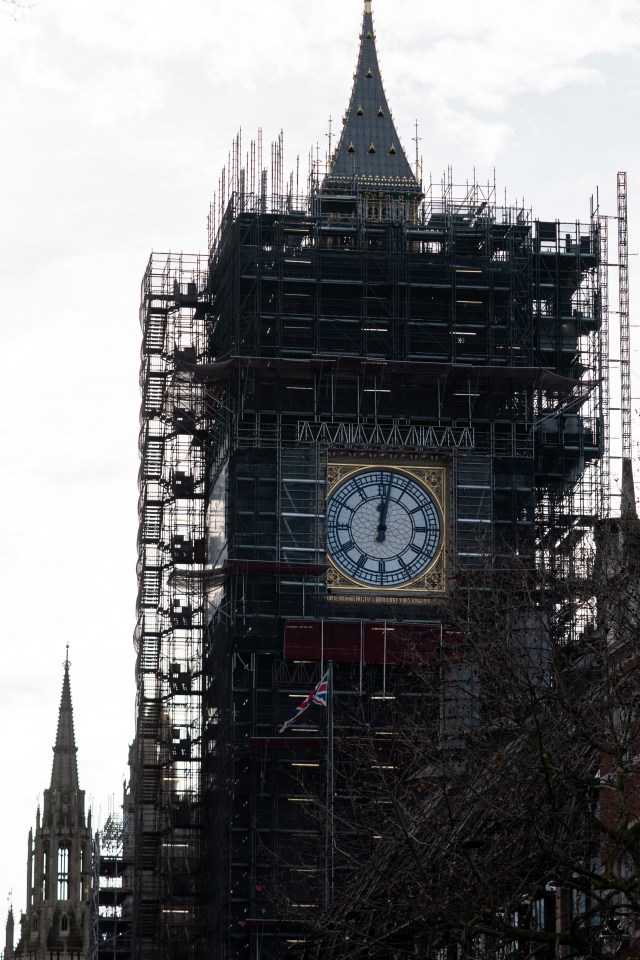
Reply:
x=382 y=508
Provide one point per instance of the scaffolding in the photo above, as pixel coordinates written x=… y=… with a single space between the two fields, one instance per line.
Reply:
x=625 y=330
x=461 y=301
x=166 y=758
x=113 y=895
x=453 y=330
x=446 y=329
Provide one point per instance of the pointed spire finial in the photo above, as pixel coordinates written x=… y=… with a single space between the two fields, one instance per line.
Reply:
x=64 y=774
x=66 y=663
x=417 y=139
x=9 y=929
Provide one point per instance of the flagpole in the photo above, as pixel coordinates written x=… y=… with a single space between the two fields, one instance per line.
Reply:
x=384 y=663
x=329 y=839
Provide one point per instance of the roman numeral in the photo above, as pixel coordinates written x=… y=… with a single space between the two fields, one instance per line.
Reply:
x=362 y=493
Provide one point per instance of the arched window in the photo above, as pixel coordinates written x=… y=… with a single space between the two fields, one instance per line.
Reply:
x=63 y=871
x=64 y=923
x=83 y=870
x=34 y=925
x=45 y=872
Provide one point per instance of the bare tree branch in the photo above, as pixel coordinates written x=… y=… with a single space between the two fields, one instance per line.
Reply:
x=500 y=815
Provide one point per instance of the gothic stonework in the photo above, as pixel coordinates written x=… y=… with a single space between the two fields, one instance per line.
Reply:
x=56 y=922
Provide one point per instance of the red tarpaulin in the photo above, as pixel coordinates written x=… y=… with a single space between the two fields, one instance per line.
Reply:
x=353 y=641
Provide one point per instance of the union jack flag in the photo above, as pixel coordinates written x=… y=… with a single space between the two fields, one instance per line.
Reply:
x=318 y=695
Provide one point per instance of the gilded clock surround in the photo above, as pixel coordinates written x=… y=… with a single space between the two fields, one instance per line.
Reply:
x=432 y=582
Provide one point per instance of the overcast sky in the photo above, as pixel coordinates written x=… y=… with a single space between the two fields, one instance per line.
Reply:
x=115 y=119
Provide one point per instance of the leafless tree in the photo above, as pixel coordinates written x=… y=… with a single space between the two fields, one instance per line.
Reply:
x=502 y=816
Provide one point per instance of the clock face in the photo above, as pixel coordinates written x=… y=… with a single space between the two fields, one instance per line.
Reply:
x=383 y=528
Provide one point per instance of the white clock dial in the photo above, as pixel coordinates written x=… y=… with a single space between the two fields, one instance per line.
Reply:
x=383 y=528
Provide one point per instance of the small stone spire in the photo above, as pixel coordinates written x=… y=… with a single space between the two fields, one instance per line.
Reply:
x=64 y=774
x=57 y=919
x=369 y=154
x=9 y=934
x=628 y=509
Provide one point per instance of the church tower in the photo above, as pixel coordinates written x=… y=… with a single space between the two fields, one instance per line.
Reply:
x=56 y=921
x=370 y=397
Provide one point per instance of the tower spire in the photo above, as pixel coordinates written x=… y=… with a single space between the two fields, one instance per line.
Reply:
x=628 y=509
x=9 y=933
x=369 y=154
x=64 y=774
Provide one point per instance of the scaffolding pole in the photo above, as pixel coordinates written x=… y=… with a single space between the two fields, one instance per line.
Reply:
x=605 y=504
x=625 y=333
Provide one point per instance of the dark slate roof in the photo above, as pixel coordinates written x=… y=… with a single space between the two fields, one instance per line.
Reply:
x=64 y=774
x=369 y=151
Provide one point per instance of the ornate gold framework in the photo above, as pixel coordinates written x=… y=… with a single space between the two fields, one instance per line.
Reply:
x=433 y=581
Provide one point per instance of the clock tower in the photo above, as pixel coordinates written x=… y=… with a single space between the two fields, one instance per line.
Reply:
x=401 y=407
x=372 y=397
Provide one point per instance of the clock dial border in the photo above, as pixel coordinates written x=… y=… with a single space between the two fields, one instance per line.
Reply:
x=432 y=581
